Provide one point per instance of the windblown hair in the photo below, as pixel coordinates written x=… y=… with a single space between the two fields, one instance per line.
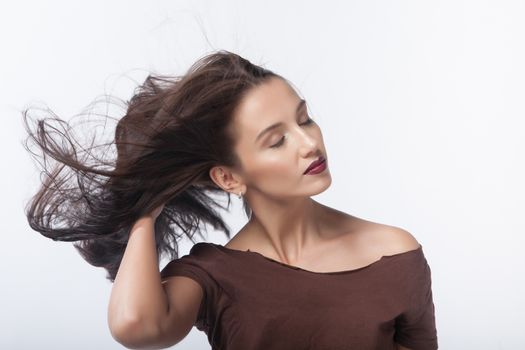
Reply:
x=174 y=131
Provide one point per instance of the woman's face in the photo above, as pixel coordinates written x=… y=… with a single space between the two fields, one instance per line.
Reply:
x=277 y=142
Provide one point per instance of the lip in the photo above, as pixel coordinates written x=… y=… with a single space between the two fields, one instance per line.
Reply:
x=315 y=163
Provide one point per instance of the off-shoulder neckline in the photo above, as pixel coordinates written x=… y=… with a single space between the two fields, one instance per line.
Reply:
x=292 y=267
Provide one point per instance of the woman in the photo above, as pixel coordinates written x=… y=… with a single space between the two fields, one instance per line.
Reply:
x=298 y=275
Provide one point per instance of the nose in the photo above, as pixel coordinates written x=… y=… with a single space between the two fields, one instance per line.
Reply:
x=308 y=143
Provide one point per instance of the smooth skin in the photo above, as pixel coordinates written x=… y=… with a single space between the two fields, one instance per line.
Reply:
x=286 y=225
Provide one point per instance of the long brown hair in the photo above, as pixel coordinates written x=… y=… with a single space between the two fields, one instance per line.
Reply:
x=175 y=129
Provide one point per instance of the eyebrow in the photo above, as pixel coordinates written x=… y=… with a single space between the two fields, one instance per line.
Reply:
x=300 y=106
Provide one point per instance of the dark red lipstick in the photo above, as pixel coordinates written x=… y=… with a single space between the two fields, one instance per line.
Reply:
x=316 y=167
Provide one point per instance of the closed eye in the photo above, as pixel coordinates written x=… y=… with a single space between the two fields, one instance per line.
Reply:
x=281 y=141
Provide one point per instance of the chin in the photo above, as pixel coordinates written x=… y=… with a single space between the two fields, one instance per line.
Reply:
x=326 y=184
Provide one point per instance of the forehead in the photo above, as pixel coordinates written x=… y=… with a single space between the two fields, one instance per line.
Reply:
x=268 y=103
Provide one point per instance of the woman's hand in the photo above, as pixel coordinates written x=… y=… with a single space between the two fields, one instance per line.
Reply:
x=138 y=302
x=156 y=212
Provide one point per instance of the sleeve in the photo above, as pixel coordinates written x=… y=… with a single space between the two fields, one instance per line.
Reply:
x=416 y=326
x=191 y=266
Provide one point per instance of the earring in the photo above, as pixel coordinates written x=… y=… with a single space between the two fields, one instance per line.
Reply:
x=240 y=195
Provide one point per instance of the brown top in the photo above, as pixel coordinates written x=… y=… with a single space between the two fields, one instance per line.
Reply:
x=251 y=301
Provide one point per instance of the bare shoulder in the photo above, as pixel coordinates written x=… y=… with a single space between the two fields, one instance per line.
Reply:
x=372 y=238
x=399 y=239
x=390 y=239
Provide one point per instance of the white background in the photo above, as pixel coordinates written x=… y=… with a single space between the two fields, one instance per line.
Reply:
x=421 y=104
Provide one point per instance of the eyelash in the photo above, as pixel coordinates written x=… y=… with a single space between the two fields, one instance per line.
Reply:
x=279 y=144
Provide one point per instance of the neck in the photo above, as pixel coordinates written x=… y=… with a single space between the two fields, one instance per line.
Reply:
x=287 y=230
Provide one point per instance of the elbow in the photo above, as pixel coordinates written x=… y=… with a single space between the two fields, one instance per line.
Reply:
x=136 y=334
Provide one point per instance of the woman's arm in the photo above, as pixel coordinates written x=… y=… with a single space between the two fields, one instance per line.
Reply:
x=138 y=303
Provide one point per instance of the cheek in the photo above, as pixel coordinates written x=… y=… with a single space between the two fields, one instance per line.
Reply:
x=272 y=167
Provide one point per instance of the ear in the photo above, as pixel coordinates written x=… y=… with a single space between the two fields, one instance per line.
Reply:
x=226 y=179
